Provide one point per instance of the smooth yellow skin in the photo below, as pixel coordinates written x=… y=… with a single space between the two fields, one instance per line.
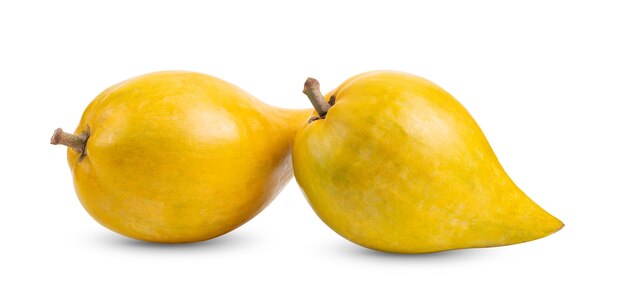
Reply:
x=398 y=165
x=179 y=157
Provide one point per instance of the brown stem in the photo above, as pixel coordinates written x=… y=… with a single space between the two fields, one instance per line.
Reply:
x=75 y=142
x=312 y=91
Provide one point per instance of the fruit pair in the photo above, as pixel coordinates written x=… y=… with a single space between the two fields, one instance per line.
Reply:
x=391 y=162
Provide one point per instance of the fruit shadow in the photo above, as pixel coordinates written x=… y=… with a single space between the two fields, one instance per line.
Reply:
x=444 y=256
x=224 y=242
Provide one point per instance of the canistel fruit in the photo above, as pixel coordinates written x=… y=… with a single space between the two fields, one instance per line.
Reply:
x=394 y=163
x=177 y=157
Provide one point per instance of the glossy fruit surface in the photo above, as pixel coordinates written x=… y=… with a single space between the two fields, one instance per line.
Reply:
x=181 y=157
x=398 y=165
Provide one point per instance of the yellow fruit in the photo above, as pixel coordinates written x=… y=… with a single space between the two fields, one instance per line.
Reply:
x=178 y=157
x=398 y=165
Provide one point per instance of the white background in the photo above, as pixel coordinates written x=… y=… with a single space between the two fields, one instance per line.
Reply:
x=544 y=79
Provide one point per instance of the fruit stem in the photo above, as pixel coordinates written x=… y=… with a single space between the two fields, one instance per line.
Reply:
x=75 y=142
x=312 y=91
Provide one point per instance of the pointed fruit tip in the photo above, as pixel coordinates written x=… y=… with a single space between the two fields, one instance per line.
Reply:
x=559 y=226
x=554 y=226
